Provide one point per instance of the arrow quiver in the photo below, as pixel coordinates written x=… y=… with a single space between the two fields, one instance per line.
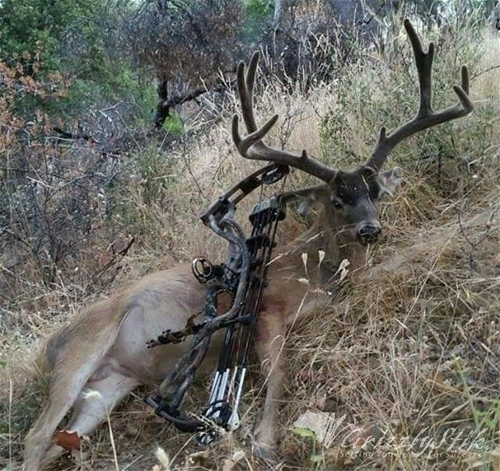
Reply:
x=243 y=278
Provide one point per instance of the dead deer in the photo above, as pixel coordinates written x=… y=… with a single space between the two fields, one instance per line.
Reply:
x=101 y=356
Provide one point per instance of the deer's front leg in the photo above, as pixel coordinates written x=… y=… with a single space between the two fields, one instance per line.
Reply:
x=269 y=343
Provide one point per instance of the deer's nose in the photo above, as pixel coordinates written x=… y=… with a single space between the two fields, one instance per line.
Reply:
x=368 y=233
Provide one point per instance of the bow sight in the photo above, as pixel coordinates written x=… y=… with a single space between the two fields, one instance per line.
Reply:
x=243 y=278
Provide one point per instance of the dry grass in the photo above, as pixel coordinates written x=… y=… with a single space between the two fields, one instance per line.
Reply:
x=412 y=348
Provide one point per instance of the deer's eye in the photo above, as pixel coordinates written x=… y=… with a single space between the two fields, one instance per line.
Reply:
x=337 y=204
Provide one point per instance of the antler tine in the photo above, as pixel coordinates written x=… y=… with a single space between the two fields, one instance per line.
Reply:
x=251 y=147
x=245 y=89
x=423 y=62
x=426 y=116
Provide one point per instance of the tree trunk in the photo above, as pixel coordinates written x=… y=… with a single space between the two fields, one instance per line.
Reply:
x=280 y=7
x=163 y=106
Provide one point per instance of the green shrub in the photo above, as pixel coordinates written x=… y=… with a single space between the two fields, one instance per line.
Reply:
x=174 y=126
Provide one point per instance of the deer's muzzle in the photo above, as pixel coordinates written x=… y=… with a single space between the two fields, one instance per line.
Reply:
x=368 y=233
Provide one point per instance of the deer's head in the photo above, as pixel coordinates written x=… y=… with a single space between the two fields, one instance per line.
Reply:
x=349 y=202
x=349 y=198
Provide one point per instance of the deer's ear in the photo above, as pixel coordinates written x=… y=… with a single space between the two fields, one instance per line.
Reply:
x=308 y=196
x=305 y=206
x=390 y=180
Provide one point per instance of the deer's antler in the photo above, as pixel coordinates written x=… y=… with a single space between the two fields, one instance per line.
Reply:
x=251 y=147
x=426 y=116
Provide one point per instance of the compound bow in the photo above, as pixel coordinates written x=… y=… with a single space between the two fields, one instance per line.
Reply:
x=243 y=276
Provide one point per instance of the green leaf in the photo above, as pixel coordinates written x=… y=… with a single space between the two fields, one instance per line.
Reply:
x=316 y=458
x=304 y=432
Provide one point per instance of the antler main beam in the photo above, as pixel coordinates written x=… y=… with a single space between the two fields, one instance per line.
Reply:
x=251 y=147
x=426 y=116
